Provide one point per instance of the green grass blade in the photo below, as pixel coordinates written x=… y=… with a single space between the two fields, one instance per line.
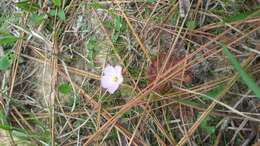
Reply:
x=245 y=77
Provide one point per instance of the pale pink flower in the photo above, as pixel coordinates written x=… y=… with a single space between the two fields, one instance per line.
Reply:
x=111 y=78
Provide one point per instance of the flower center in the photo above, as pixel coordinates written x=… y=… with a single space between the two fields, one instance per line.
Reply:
x=114 y=78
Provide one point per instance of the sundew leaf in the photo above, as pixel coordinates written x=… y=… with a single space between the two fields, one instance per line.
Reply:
x=214 y=92
x=118 y=23
x=205 y=125
x=19 y=134
x=245 y=77
x=91 y=45
x=108 y=24
x=237 y=17
x=57 y=2
x=95 y=5
x=241 y=16
x=65 y=88
x=191 y=24
x=115 y=36
x=6 y=127
x=38 y=18
x=151 y=1
x=27 y=6
x=7 y=39
x=6 y=61
x=61 y=15
x=53 y=12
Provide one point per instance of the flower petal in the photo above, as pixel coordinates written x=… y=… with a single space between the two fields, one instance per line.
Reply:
x=109 y=70
x=118 y=70
x=113 y=88
x=106 y=81
x=108 y=78
x=120 y=79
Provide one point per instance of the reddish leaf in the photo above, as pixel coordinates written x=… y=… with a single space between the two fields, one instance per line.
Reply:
x=157 y=64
